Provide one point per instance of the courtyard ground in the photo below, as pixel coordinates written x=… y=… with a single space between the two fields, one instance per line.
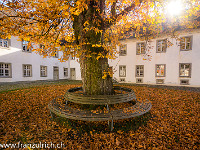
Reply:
x=172 y=123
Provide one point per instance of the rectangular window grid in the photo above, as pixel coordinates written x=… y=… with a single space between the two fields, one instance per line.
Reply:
x=186 y=43
x=25 y=46
x=3 y=42
x=139 y=80
x=161 y=46
x=140 y=48
x=139 y=70
x=122 y=71
x=160 y=70
x=72 y=54
x=185 y=70
x=65 y=72
x=27 y=69
x=122 y=79
x=184 y=82
x=72 y=57
x=159 y=81
x=5 y=70
x=55 y=54
x=43 y=71
x=123 y=50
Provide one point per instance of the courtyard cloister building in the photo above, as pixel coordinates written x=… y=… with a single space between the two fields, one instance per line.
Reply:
x=163 y=60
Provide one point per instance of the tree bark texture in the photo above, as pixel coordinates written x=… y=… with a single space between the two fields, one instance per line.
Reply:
x=92 y=69
x=91 y=73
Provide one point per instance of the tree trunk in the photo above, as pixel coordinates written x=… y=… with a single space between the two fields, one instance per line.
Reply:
x=92 y=71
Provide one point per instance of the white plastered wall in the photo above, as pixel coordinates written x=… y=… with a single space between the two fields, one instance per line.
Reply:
x=171 y=58
x=17 y=58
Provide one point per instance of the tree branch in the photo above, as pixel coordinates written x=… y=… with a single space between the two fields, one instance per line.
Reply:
x=116 y=17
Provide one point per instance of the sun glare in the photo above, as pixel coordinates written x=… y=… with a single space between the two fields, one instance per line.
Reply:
x=174 y=7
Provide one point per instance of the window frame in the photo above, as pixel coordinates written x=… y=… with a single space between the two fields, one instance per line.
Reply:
x=190 y=70
x=45 y=71
x=28 y=50
x=157 y=81
x=157 y=42
x=56 y=55
x=164 y=70
x=72 y=54
x=139 y=71
x=186 y=80
x=26 y=72
x=122 y=80
x=119 y=71
x=9 y=68
x=2 y=43
x=123 y=48
x=137 y=80
x=64 y=72
x=137 y=45
x=191 y=41
x=72 y=57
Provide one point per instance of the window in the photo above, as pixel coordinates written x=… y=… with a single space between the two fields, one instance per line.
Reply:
x=72 y=54
x=122 y=80
x=27 y=70
x=161 y=46
x=5 y=70
x=140 y=48
x=185 y=70
x=159 y=81
x=72 y=57
x=25 y=46
x=123 y=50
x=184 y=82
x=55 y=54
x=4 y=43
x=139 y=80
x=43 y=71
x=186 y=43
x=122 y=71
x=160 y=70
x=43 y=50
x=139 y=71
x=65 y=72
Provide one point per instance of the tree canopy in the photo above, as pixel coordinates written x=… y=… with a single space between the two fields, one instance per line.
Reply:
x=91 y=29
x=70 y=24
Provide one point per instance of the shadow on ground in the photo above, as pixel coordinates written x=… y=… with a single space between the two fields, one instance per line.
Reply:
x=82 y=127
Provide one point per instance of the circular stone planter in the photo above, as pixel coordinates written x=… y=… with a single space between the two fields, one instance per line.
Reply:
x=123 y=95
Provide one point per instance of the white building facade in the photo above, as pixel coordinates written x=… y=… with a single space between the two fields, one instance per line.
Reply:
x=177 y=64
x=18 y=63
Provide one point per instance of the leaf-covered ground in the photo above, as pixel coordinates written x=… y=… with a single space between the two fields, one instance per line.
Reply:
x=173 y=121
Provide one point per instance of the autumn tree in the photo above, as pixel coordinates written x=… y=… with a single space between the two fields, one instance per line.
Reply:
x=90 y=29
